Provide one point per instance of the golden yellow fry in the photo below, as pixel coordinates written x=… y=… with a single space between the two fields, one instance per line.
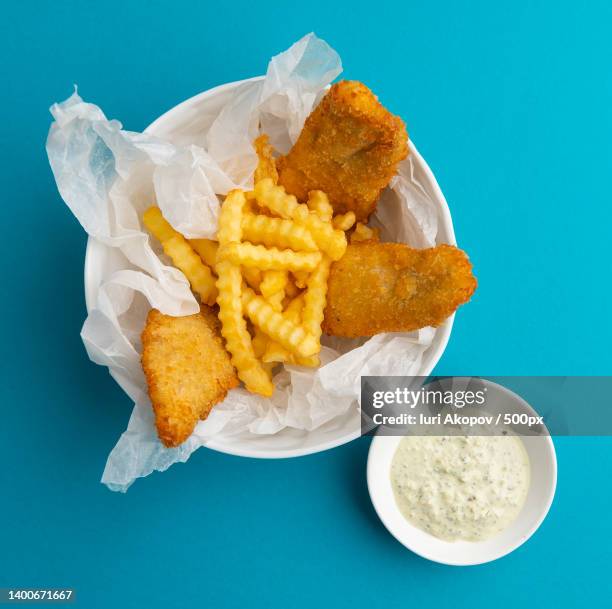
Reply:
x=364 y=233
x=301 y=278
x=275 y=199
x=235 y=332
x=291 y=336
x=186 y=260
x=272 y=283
x=291 y=290
x=260 y=342
x=269 y=368
x=314 y=305
x=182 y=255
x=315 y=298
x=265 y=259
x=252 y=276
x=275 y=352
x=294 y=309
x=276 y=301
x=330 y=241
x=229 y=283
x=250 y=205
x=312 y=361
x=206 y=249
x=319 y=204
x=266 y=168
x=276 y=232
x=344 y=221
x=157 y=225
x=272 y=288
x=230 y=218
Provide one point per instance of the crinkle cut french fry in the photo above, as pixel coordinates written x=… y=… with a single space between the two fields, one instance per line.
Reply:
x=272 y=288
x=266 y=167
x=291 y=289
x=273 y=282
x=294 y=309
x=275 y=199
x=312 y=361
x=319 y=203
x=344 y=221
x=277 y=232
x=229 y=283
x=291 y=336
x=314 y=306
x=230 y=218
x=315 y=298
x=206 y=249
x=364 y=233
x=301 y=278
x=276 y=301
x=275 y=352
x=235 y=332
x=182 y=255
x=330 y=241
x=260 y=342
x=266 y=259
x=186 y=260
x=157 y=225
x=252 y=276
x=269 y=368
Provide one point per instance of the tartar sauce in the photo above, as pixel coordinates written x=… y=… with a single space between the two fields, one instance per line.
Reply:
x=460 y=487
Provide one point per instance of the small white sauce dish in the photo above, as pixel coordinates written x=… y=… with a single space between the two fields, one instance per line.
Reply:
x=543 y=464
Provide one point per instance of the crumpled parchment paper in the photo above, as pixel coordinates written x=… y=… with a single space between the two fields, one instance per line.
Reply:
x=108 y=177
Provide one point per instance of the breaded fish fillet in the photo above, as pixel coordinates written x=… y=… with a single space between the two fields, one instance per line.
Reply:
x=390 y=287
x=188 y=370
x=349 y=148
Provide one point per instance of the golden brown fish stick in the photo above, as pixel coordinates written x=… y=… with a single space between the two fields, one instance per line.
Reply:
x=390 y=287
x=188 y=370
x=349 y=148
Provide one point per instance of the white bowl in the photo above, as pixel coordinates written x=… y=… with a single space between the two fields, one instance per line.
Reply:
x=181 y=125
x=543 y=463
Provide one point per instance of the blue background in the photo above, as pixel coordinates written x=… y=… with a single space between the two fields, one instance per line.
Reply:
x=510 y=105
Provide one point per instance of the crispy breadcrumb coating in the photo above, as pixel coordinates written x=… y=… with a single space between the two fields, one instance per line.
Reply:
x=391 y=287
x=187 y=368
x=349 y=148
